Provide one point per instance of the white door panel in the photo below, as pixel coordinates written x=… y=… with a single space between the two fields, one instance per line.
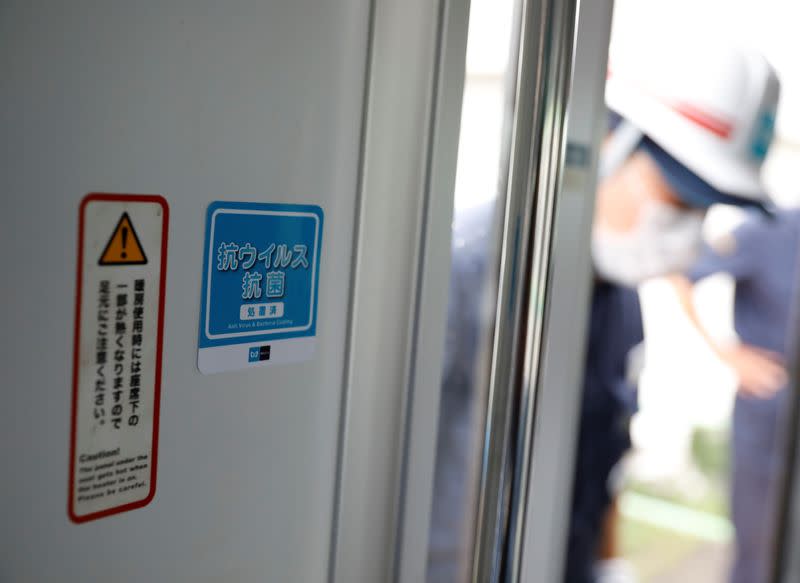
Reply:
x=196 y=101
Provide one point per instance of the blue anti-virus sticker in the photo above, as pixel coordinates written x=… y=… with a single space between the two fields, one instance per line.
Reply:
x=260 y=285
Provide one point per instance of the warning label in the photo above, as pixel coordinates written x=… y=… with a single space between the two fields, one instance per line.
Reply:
x=117 y=368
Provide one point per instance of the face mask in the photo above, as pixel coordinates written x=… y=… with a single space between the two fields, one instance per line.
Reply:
x=665 y=240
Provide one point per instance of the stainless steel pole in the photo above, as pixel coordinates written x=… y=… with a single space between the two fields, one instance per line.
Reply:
x=534 y=165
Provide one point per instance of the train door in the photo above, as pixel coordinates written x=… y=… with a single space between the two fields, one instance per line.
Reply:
x=222 y=209
x=226 y=235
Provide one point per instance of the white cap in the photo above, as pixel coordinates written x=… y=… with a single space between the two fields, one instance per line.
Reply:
x=711 y=106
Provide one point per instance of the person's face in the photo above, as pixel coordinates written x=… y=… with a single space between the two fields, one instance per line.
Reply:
x=641 y=227
x=623 y=195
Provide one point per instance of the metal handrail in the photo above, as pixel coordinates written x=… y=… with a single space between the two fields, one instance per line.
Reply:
x=534 y=165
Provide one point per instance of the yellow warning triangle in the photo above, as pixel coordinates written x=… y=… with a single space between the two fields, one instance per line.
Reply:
x=123 y=248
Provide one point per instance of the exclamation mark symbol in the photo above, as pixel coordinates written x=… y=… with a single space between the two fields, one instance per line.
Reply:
x=123 y=247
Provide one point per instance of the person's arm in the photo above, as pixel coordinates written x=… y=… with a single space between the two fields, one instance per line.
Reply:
x=761 y=373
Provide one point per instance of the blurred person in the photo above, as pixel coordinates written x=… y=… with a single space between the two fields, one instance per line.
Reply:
x=694 y=123
x=761 y=256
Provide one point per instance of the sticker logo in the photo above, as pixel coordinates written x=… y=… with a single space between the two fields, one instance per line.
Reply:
x=116 y=382
x=260 y=284
x=123 y=247
x=763 y=135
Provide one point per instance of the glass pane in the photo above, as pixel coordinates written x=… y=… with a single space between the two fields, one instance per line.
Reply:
x=482 y=145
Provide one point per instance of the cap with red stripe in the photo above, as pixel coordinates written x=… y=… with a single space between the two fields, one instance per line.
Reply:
x=709 y=106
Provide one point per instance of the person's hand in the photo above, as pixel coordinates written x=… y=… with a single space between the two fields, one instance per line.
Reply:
x=761 y=372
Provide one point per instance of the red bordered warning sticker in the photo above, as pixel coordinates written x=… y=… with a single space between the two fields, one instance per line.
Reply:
x=116 y=384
